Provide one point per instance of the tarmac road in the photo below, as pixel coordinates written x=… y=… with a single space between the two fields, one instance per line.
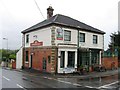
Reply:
x=14 y=79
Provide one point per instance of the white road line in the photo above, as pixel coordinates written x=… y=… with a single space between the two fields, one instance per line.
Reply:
x=6 y=78
x=75 y=84
x=90 y=87
x=104 y=86
x=19 y=86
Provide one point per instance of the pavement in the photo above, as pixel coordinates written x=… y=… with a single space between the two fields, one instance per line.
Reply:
x=87 y=75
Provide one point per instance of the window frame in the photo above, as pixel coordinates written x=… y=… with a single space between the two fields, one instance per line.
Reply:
x=68 y=35
x=71 y=59
x=95 y=39
x=62 y=59
x=26 y=56
x=27 y=38
x=49 y=59
x=82 y=37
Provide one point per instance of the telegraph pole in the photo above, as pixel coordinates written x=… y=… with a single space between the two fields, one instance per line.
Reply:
x=6 y=49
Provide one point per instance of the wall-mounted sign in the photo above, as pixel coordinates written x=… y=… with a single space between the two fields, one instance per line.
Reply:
x=59 y=34
x=36 y=43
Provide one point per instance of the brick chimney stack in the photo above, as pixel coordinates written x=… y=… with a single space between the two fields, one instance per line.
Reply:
x=49 y=12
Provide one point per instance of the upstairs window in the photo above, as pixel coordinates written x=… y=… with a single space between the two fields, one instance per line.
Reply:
x=27 y=38
x=82 y=37
x=95 y=39
x=67 y=35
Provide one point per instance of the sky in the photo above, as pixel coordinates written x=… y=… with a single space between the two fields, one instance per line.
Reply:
x=18 y=15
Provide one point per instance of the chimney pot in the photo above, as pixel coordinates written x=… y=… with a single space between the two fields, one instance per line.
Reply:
x=49 y=12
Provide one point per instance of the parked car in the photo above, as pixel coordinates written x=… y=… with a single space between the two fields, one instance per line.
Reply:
x=99 y=68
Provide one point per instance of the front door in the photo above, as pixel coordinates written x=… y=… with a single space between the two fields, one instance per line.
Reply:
x=44 y=64
x=71 y=59
x=31 y=58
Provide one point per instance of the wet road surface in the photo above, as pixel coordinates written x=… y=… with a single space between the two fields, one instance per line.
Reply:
x=15 y=79
x=24 y=80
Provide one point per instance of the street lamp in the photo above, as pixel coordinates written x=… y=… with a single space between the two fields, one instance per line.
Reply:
x=7 y=42
x=6 y=48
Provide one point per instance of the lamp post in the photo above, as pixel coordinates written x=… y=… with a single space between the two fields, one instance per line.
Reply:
x=6 y=48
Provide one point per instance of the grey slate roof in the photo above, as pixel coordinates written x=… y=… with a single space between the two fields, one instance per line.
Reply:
x=59 y=19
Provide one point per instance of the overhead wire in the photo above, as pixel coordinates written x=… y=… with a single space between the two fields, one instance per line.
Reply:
x=39 y=9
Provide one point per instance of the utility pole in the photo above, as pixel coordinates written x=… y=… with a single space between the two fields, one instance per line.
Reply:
x=6 y=49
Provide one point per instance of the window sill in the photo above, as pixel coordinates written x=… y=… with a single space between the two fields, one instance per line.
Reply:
x=67 y=42
x=26 y=62
x=82 y=43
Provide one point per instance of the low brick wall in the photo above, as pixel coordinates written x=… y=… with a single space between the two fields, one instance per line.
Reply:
x=110 y=62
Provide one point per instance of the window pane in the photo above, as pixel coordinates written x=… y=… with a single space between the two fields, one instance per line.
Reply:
x=48 y=59
x=67 y=35
x=82 y=37
x=62 y=59
x=27 y=38
x=71 y=59
x=27 y=56
x=94 y=39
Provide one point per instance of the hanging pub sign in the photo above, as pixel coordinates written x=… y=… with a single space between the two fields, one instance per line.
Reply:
x=36 y=43
x=59 y=34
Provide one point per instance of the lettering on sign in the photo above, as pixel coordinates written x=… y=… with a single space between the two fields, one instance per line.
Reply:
x=36 y=43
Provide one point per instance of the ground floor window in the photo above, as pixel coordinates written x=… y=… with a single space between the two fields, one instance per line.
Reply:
x=84 y=57
x=71 y=59
x=62 y=59
x=94 y=57
x=88 y=57
x=26 y=59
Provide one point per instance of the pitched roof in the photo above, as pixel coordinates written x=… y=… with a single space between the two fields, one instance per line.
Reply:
x=59 y=19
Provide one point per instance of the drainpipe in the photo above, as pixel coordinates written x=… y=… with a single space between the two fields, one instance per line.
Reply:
x=89 y=66
x=78 y=62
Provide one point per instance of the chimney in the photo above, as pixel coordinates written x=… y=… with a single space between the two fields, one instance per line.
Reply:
x=49 y=12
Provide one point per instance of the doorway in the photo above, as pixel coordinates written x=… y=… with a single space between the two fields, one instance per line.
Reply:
x=44 y=64
x=31 y=58
x=71 y=59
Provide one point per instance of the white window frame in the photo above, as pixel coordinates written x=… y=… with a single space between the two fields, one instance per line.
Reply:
x=67 y=35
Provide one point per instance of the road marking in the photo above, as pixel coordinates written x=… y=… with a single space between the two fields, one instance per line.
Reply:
x=105 y=86
x=90 y=87
x=19 y=86
x=6 y=78
x=76 y=84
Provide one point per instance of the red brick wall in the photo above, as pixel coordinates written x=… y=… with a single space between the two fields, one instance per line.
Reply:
x=38 y=55
x=13 y=64
x=109 y=62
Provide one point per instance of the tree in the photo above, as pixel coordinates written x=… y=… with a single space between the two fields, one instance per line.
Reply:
x=12 y=56
x=115 y=43
x=8 y=54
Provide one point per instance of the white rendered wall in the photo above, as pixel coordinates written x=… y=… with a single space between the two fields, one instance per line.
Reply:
x=19 y=59
x=89 y=41
x=73 y=37
x=43 y=35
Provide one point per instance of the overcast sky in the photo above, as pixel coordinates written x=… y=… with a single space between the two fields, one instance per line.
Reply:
x=17 y=15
